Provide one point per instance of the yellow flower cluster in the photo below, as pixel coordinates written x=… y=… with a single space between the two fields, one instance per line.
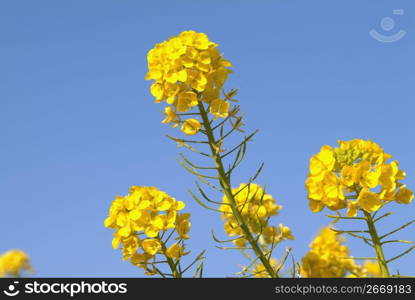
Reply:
x=355 y=168
x=369 y=269
x=256 y=208
x=13 y=262
x=328 y=257
x=188 y=68
x=138 y=220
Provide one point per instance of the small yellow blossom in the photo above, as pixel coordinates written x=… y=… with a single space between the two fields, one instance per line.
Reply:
x=286 y=232
x=140 y=259
x=175 y=251
x=151 y=246
x=171 y=117
x=404 y=195
x=183 y=226
x=219 y=108
x=186 y=100
x=130 y=246
x=369 y=201
x=191 y=126
x=353 y=208
x=322 y=162
x=13 y=262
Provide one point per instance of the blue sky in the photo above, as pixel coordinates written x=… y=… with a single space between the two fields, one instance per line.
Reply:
x=79 y=126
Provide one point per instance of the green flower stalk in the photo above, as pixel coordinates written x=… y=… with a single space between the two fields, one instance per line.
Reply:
x=189 y=74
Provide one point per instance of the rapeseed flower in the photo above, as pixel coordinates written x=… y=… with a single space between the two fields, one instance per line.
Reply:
x=191 y=126
x=175 y=251
x=355 y=169
x=328 y=257
x=188 y=69
x=13 y=262
x=256 y=207
x=140 y=220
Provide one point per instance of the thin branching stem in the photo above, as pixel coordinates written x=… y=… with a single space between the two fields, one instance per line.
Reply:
x=246 y=139
x=185 y=141
x=170 y=262
x=398 y=241
x=193 y=165
x=381 y=217
x=397 y=229
x=226 y=185
x=199 y=257
x=383 y=263
x=221 y=123
x=402 y=254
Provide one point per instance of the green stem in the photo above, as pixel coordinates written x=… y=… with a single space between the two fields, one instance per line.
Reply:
x=170 y=262
x=377 y=245
x=226 y=185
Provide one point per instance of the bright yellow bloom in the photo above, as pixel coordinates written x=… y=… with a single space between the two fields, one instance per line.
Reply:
x=130 y=246
x=348 y=175
x=328 y=257
x=388 y=175
x=171 y=117
x=322 y=162
x=369 y=201
x=353 y=208
x=187 y=69
x=256 y=208
x=141 y=259
x=286 y=232
x=191 y=126
x=273 y=235
x=145 y=212
x=219 y=108
x=151 y=246
x=404 y=195
x=175 y=251
x=352 y=170
x=183 y=226
x=13 y=262
x=186 y=100
x=325 y=188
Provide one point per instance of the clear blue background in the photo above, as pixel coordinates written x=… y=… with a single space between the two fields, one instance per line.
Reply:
x=79 y=126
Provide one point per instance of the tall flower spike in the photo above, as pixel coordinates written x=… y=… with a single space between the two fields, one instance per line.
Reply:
x=187 y=69
x=189 y=74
